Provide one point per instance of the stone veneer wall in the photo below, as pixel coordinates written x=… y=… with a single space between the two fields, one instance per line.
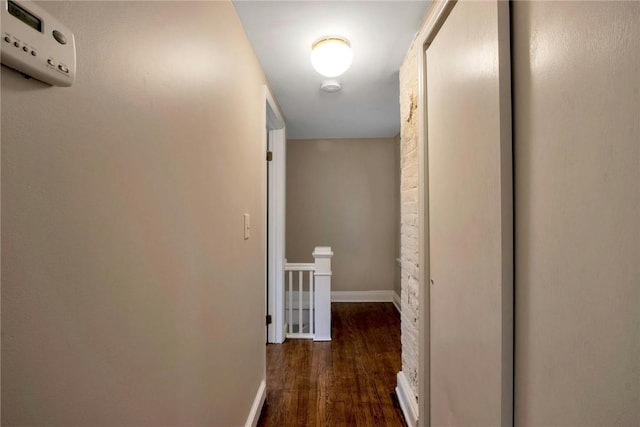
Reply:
x=409 y=215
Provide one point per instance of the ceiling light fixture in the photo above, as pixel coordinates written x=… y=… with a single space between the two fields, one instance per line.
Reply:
x=331 y=55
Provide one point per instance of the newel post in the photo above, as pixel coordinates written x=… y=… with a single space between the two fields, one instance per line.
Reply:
x=322 y=256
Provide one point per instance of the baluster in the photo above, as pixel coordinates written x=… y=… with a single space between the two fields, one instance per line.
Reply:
x=290 y=326
x=311 y=314
x=300 y=284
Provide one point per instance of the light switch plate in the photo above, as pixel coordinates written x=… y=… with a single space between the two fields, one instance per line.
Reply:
x=247 y=226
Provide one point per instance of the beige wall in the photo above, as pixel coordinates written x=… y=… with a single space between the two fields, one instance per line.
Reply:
x=577 y=213
x=341 y=193
x=124 y=269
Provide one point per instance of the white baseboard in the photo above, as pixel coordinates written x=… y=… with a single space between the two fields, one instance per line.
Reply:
x=362 y=296
x=256 y=408
x=407 y=400
x=317 y=338
x=396 y=302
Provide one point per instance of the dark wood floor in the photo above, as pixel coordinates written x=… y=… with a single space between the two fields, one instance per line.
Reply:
x=346 y=382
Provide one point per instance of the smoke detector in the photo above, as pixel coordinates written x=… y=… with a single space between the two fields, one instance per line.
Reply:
x=331 y=86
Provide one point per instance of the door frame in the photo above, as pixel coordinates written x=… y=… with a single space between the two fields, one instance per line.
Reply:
x=438 y=14
x=434 y=20
x=275 y=215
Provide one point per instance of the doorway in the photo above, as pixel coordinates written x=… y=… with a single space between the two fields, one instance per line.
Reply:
x=275 y=163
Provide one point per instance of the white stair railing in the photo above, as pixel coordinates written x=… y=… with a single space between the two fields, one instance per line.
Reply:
x=299 y=300
x=308 y=297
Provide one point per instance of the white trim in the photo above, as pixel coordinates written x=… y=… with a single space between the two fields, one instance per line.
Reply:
x=275 y=120
x=318 y=337
x=288 y=266
x=407 y=400
x=362 y=296
x=435 y=18
x=256 y=407
x=305 y=336
x=322 y=298
x=322 y=252
x=322 y=274
x=396 y=302
x=274 y=123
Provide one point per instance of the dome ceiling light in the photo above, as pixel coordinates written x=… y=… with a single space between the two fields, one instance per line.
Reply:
x=331 y=55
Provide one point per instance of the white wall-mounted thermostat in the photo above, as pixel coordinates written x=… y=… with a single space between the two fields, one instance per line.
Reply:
x=36 y=44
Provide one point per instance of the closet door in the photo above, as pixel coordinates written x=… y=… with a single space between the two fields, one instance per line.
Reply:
x=470 y=217
x=577 y=211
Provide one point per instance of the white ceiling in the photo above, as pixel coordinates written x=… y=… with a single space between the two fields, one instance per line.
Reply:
x=380 y=32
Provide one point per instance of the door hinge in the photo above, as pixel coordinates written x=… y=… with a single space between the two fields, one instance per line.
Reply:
x=268 y=319
x=269 y=156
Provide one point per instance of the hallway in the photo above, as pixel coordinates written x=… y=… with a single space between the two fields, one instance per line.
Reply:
x=349 y=381
x=478 y=166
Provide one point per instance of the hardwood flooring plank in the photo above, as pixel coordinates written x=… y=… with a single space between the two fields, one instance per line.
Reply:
x=346 y=382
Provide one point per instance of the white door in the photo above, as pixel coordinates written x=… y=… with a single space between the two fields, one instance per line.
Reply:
x=470 y=217
x=275 y=142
